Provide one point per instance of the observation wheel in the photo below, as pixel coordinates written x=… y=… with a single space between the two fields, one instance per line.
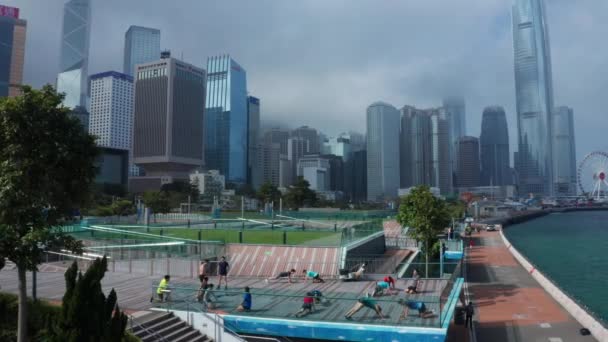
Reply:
x=592 y=176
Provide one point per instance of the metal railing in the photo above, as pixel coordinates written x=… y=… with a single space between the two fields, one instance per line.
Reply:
x=157 y=336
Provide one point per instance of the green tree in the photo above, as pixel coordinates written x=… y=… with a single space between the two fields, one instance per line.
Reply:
x=426 y=215
x=87 y=314
x=299 y=194
x=46 y=171
x=158 y=201
x=268 y=193
x=122 y=207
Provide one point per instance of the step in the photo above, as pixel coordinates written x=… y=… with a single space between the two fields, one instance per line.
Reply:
x=178 y=333
x=151 y=318
x=191 y=336
x=169 y=329
x=163 y=324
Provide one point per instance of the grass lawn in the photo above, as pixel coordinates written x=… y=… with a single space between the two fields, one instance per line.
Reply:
x=255 y=236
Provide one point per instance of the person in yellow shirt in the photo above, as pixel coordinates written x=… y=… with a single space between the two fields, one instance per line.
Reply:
x=163 y=291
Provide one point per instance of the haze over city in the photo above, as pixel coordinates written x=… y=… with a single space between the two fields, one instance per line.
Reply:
x=322 y=63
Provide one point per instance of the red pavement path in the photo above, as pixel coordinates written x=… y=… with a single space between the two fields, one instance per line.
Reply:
x=510 y=305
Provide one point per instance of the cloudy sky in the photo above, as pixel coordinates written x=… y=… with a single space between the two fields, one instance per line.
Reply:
x=321 y=63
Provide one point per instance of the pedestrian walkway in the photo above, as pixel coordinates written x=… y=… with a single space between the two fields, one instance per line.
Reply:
x=510 y=305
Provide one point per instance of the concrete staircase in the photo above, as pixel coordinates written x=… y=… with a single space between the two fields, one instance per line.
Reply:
x=164 y=326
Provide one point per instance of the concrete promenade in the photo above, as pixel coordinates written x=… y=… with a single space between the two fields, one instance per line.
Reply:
x=510 y=304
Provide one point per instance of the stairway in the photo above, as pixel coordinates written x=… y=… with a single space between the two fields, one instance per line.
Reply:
x=155 y=326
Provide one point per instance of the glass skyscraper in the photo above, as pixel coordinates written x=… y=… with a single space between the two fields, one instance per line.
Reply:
x=494 y=142
x=382 y=151
x=142 y=45
x=226 y=119
x=564 y=152
x=12 y=51
x=73 y=74
x=534 y=95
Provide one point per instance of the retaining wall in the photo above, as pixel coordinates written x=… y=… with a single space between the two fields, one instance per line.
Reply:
x=585 y=319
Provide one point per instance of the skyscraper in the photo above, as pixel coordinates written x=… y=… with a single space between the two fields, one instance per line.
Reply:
x=441 y=151
x=111 y=118
x=564 y=152
x=311 y=135
x=142 y=45
x=534 y=95
x=12 y=50
x=494 y=147
x=74 y=63
x=253 y=132
x=382 y=151
x=226 y=121
x=267 y=165
x=296 y=149
x=467 y=173
x=456 y=116
x=279 y=136
x=168 y=122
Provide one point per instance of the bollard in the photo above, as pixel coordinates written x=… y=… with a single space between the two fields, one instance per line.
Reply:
x=240 y=237
x=200 y=234
x=284 y=237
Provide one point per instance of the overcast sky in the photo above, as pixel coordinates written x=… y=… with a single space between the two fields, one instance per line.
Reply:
x=321 y=63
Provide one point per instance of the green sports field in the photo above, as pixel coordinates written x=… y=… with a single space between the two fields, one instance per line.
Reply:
x=255 y=236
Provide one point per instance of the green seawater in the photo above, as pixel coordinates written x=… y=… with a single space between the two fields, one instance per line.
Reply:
x=572 y=250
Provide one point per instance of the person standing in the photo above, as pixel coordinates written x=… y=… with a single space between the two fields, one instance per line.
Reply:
x=469 y=311
x=203 y=269
x=222 y=271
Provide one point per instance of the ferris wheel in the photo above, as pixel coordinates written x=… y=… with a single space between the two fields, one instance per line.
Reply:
x=592 y=174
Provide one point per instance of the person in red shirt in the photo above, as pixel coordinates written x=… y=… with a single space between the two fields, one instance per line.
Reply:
x=308 y=306
x=391 y=281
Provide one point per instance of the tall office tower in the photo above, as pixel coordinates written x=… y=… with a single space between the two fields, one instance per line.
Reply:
x=296 y=149
x=226 y=119
x=168 y=122
x=253 y=134
x=534 y=95
x=442 y=175
x=337 y=173
x=74 y=64
x=456 y=116
x=278 y=136
x=415 y=147
x=468 y=173
x=12 y=51
x=315 y=170
x=564 y=152
x=267 y=165
x=382 y=151
x=142 y=45
x=339 y=146
x=285 y=171
x=111 y=119
x=357 y=166
x=310 y=134
x=494 y=147
x=357 y=141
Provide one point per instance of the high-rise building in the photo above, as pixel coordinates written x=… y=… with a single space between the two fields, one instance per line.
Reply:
x=296 y=149
x=81 y=113
x=467 y=174
x=111 y=118
x=226 y=121
x=356 y=168
x=73 y=74
x=142 y=45
x=456 y=116
x=382 y=151
x=267 y=164
x=316 y=170
x=278 y=136
x=564 y=152
x=534 y=95
x=494 y=147
x=309 y=134
x=12 y=51
x=253 y=132
x=441 y=152
x=169 y=108
x=337 y=174
x=339 y=146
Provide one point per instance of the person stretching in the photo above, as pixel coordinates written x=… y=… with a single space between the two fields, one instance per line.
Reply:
x=415 y=305
x=284 y=275
x=390 y=280
x=382 y=288
x=366 y=301
x=308 y=306
x=312 y=275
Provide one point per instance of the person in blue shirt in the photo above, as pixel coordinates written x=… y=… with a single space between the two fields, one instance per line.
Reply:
x=362 y=302
x=415 y=305
x=246 y=303
x=382 y=287
x=312 y=275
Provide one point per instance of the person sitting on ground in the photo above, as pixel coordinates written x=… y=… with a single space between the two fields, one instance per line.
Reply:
x=312 y=275
x=358 y=274
x=246 y=303
x=382 y=288
x=368 y=302
x=390 y=280
x=414 y=288
x=415 y=305
x=308 y=306
x=162 y=291
x=284 y=275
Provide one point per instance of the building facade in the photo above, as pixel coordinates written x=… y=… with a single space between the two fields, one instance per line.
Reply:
x=494 y=148
x=142 y=45
x=468 y=172
x=253 y=132
x=564 y=152
x=74 y=63
x=267 y=165
x=442 y=174
x=297 y=147
x=226 y=119
x=456 y=115
x=382 y=151
x=12 y=51
x=311 y=135
x=278 y=136
x=208 y=183
x=316 y=170
x=534 y=97
x=169 y=108
x=111 y=115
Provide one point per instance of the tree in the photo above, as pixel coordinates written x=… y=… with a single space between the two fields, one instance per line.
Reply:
x=299 y=194
x=426 y=215
x=87 y=314
x=158 y=201
x=122 y=207
x=268 y=193
x=46 y=171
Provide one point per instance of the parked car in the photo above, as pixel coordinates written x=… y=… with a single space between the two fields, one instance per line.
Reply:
x=490 y=228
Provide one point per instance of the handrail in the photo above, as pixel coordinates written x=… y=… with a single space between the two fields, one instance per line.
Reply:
x=221 y=324
x=157 y=336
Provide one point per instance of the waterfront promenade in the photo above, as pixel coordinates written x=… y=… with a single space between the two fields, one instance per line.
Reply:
x=510 y=304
